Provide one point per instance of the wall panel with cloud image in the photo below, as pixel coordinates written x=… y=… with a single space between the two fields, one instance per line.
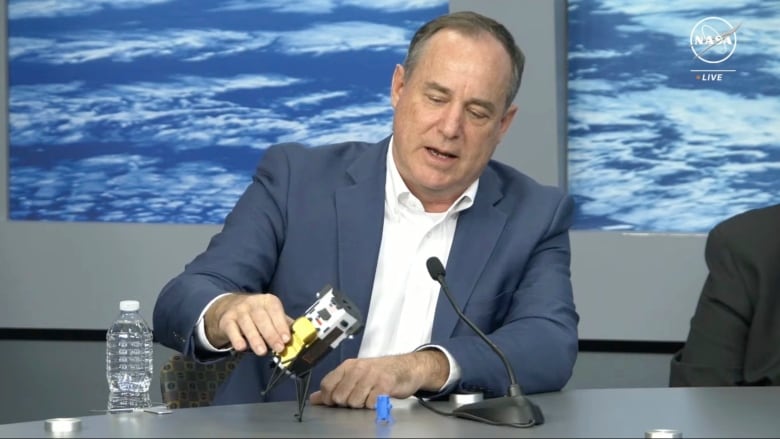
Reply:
x=157 y=111
x=59 y=271
x=674 y=112
x=134 y=125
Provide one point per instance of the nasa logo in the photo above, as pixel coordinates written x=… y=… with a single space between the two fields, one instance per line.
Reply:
x=713 y=40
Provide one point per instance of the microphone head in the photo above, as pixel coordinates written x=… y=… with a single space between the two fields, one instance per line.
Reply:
x=435 y=269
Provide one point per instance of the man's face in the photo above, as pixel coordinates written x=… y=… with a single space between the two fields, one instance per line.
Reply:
x=450 y=115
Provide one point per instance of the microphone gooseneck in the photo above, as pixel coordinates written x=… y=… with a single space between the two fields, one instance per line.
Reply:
x=436 y=270
x=514 y=409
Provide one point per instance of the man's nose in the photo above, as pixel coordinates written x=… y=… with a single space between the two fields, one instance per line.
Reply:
x=451 y=122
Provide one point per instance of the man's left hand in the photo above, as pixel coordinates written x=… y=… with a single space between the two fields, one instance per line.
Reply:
x=357 y=382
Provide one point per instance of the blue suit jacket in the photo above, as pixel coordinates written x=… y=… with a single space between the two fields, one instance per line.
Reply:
x=314 y=216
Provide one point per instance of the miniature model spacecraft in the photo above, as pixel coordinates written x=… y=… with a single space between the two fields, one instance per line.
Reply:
x=331 y=319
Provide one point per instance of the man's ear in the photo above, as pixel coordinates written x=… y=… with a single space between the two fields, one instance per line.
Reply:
x=396 y=87
x=506 y=119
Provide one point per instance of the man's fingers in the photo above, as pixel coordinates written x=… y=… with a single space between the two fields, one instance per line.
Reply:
x=330 y=383
x=268 y=330
x=251 y=334
x=282 y=327
x=352 y=389
x=316 y=398
x=358 y=396
x=275 y=312
x=256 y=321
x=349 y=385
x=359 y=382
x=234 y=335
x=372 y=397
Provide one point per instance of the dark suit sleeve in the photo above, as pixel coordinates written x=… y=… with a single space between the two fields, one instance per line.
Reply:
x=538 y=334
x=714 y=351
x=242 y=257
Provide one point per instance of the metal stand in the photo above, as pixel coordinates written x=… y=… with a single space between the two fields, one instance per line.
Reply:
x=302 y=387
x=302 y=382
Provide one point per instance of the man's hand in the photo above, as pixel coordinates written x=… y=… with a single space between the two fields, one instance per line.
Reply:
x=255 y=321
x=357 y=382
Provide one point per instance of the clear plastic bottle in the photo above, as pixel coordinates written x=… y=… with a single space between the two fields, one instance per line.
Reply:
x=129 y=354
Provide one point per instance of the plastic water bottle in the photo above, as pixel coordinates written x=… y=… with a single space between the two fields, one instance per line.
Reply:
x=129 y=353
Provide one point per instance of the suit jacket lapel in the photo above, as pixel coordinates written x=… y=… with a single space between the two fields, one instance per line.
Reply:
x=360 y=209
x=476 y=234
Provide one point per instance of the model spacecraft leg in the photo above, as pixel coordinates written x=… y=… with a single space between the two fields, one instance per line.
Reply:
x=331 y=319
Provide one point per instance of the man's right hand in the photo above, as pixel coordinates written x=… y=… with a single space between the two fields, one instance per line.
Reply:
x=255 y=321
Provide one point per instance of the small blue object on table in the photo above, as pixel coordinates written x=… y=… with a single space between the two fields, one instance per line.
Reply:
x=383 y=407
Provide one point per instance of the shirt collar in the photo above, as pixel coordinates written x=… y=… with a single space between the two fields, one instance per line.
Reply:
x=398 y=195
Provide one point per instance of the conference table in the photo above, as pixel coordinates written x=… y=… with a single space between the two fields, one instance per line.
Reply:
x=628 y=413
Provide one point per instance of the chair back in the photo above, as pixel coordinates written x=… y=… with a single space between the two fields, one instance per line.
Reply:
x=185 y=382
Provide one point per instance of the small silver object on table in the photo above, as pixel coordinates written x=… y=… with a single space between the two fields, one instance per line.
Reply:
x=459 y=399
x=62 y=425
x=663 y=433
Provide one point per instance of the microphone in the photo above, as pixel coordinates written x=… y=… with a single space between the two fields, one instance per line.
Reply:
x=512 y=409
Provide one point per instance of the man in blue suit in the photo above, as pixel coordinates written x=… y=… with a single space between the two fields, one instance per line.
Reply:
x=365 y=217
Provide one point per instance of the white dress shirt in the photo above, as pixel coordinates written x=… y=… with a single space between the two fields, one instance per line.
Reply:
x=403 y=298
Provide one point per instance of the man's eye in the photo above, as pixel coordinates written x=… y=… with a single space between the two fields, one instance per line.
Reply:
x=436 y=99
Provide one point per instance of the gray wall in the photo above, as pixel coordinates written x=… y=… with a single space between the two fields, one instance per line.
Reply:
x=72 y=275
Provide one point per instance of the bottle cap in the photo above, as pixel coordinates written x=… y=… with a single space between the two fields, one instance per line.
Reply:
x=62 y=425
x=129 y=305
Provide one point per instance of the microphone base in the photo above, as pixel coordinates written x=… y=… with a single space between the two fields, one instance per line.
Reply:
x=515 y=411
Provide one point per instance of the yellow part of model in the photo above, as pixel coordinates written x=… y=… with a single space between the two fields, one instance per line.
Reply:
x=303 y=334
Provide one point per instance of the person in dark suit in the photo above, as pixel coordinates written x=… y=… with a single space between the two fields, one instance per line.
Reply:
x=734 y=337
x=365 y=217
